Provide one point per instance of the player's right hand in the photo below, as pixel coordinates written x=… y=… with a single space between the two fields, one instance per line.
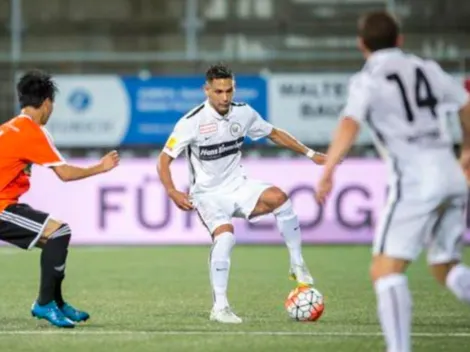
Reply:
x=110 y=161
x=324 y=187
x=180 y=199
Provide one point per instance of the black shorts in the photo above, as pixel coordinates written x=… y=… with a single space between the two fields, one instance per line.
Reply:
x=22 y=225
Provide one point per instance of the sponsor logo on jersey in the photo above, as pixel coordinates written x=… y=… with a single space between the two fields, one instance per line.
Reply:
x=208 y=128
x=221 y=150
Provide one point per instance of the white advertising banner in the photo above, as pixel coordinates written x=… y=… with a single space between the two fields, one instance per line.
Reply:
x=89 y=111
x=309 y=106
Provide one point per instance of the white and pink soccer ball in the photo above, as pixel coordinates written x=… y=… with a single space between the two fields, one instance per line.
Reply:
x=305 y=304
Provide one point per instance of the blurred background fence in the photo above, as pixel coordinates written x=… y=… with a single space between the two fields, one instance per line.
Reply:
x=179 y=38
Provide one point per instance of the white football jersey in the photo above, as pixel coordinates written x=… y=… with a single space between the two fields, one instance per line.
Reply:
x=213 y=144
x=400 y=97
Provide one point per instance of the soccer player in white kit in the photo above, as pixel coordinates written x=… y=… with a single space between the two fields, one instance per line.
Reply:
x=399 y=97
x=212 y=135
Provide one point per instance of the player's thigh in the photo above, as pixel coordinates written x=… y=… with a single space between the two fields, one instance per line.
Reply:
x=25 y=227
x=248 y=198
x=215 y=212
x=401 y=232
x=446 y=240
x=399 y=239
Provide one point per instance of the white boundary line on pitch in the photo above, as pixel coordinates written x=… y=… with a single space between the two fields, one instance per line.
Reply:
x=221 y=333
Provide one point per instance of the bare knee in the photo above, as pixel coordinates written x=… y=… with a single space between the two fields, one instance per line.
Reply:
x=270 y=200
x=383 y=266
x=440 y=271
x=279 y=197
x=274 y=197
x=50 y=229
x=222 y=229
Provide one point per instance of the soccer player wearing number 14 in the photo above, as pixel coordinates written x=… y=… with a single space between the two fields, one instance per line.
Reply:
x=399 y=97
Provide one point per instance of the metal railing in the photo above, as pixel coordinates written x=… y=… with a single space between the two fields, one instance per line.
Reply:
x=191 y=25
x=192 y=52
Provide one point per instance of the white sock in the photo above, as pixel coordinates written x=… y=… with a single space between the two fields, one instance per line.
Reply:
x=394 y=307
x=288 y=225
x=458 y=281
x=219 y=262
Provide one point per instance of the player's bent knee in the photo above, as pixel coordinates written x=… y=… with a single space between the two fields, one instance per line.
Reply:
x=278 y=197
x=440 y=271
x=62 y=231
x=383 y=266
x=51 y=227
x=222 y=229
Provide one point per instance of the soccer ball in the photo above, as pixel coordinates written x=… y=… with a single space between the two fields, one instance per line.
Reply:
x=305 y=304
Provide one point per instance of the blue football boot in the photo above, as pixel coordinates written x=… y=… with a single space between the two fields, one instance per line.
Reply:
x=52 y=314
x=74 y=314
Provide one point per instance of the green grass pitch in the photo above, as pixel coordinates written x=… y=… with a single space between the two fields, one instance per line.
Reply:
x=158 y=299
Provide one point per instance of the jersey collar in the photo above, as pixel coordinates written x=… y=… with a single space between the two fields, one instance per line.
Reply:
x=214 y=112
x=379 y=55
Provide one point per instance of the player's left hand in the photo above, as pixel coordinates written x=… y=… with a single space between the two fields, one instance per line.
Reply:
x=319 y=158
x=324 y=187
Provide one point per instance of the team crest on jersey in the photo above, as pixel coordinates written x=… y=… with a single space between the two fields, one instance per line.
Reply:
x=208 y=128
x=236 y=129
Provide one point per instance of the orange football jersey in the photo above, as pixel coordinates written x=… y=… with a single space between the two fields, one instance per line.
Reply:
x=23 y=142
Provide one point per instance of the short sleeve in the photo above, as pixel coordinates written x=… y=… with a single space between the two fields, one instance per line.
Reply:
x=454 y=92
x=259 y=127
x=359 y=97
x=183 y=134
x=41 y=149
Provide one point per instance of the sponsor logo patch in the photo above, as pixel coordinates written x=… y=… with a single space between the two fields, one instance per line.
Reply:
x=221 y=150
x=208 y=128
x=170 y=144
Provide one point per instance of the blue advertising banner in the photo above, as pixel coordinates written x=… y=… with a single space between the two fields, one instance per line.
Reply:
x=158 y=103
x=105 y=110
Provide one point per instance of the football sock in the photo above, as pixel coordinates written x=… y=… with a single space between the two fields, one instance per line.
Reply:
x=394 y=307
x=53 y=258
x=288 y=225
x=458 y=282
x=58 y=285
x=219 y=262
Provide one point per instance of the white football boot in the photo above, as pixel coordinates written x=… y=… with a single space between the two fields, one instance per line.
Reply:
x=224 y=315
x=301 y=274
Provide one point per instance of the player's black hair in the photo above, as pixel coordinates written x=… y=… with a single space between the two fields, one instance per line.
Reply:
x=379 y=30
x=34 y=87
x=218 y=71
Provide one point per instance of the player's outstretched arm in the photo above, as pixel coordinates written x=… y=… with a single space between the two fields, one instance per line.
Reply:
x=360 y=95
x=286 y=140
x=163 y=168
x=343 y=139
x=68 y=172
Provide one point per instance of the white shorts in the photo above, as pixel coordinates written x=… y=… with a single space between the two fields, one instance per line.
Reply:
x=216 y=209
x=408 y=226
